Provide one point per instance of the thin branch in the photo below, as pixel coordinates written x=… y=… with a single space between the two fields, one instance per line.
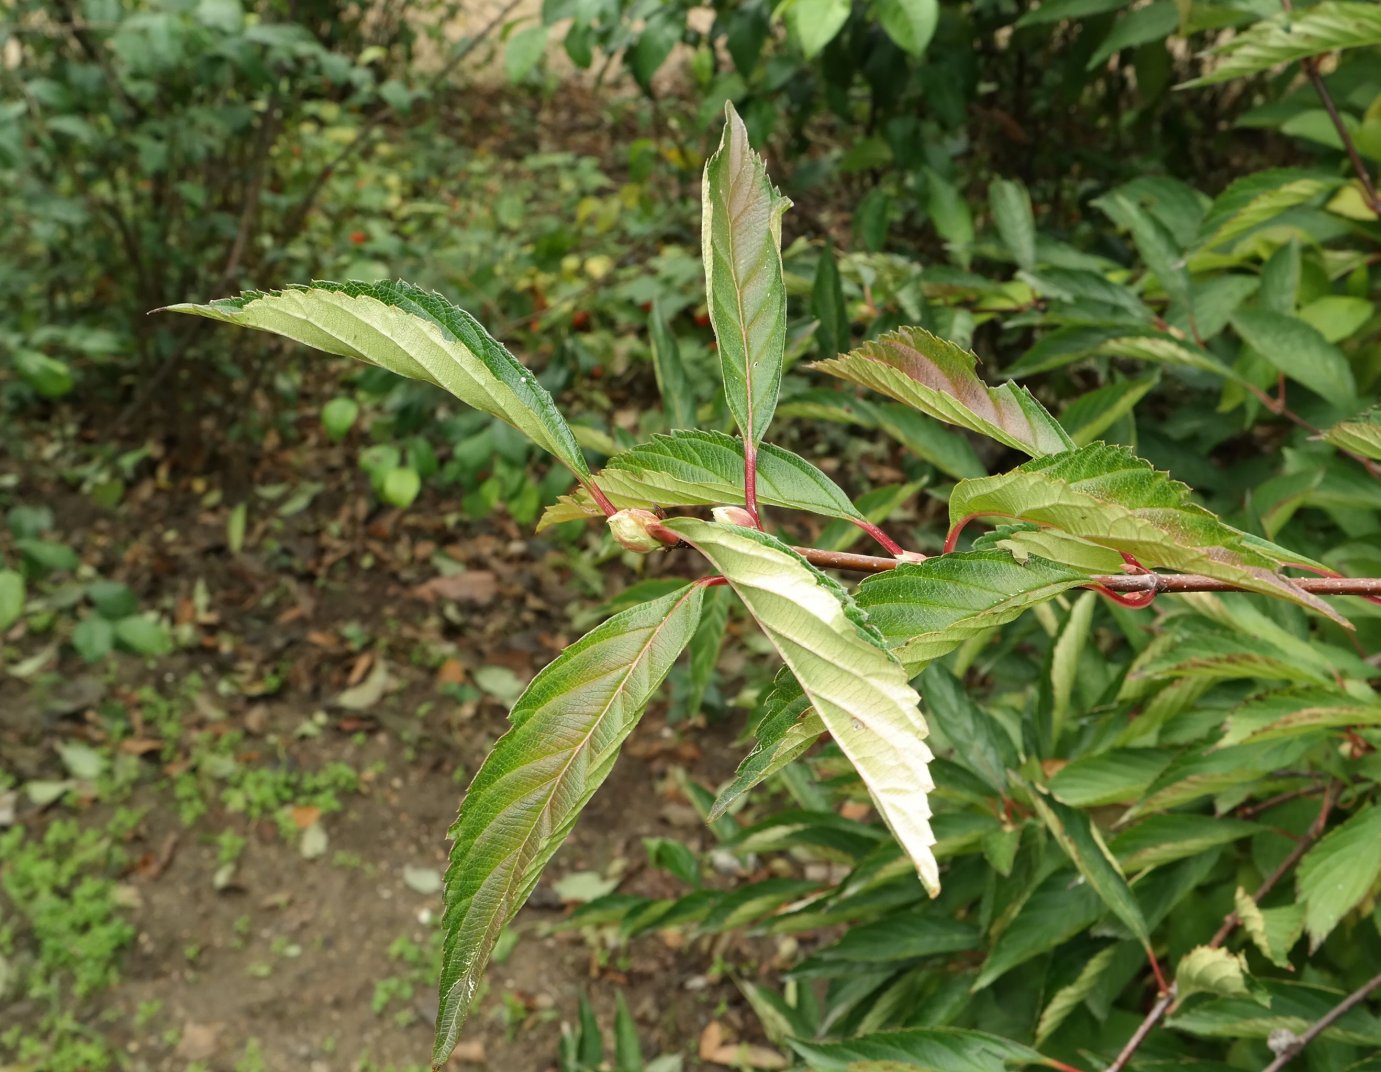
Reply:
x=1324 y=1022
x=1158 y=1010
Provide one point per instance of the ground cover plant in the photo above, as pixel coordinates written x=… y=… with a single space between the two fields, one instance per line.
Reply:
x=1093 y=516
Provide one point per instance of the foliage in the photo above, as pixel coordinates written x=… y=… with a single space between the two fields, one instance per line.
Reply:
x=1115 y=783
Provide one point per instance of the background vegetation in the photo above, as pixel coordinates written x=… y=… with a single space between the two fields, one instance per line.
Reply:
x=260 y=616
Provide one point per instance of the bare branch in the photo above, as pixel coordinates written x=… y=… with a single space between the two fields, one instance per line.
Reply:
x=1324 y=1022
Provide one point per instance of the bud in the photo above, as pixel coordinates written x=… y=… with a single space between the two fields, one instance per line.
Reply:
x=733 y=515
x=632 y=529
x=910 y=556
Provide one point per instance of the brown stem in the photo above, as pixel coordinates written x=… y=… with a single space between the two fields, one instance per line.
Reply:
x=1153 y=1017
x=1311 y=68
x=1324 y=1022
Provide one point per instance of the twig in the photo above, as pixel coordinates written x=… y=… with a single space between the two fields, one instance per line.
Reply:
x=1324 y=1022
x=1153 y=1017
x=1139 y=582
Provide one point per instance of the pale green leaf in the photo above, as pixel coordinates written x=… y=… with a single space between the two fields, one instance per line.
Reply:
x=1225 y=657
x=1092 y=414
x=704 y=468
x=416 y=334
x=937 y=377
x=1011 y=208
x=857 y=688
x=1256 y=199
x=1207 y=970
x=1162 y=839
x=11 y=598
x=947 y=1048
x=741 y=238
x=1068 y=998
x=1082 y=843
x=1290 y=712
x=1293 y=1007
x=1106 y=495
x=1065 y=657
x=1153 y=240
x=705 y=646
x=1274 y=931
x=910 y=23
x=1299 y=351
x=567 y=728
x=1337 y=873
x=524 y=51
x=1211 y=771
x=926 y=609
x=673 y=381
x=1360 y=436
x=815 y=23
x=1119 y=776
x=1291 y=36
x=788 y=727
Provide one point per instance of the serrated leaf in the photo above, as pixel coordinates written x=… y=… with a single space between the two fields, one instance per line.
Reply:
x=1079 y=838
x=937 y=377
x=1092 y=414
x=948 y=1048
x=1153 y=240
x=1223 y=657
x=1106 y=495
x=741 y=238
x=1206 y=970
x=414 y=333
x=1016 y=225
x=1256 y=199
x=1061 y=907
x=902 y=937
x=1162 y=839
x=1361 y=436
x=788 y=727
x=1338 y=872
x=980 y=742
x=566 y=731
x=673 y=381
x=11 y=598
x=1293 y=1007
x=704 y=468
x=1299 y=351
x=1209 y=771
x=1119 y=776
x=1274 y=931
x=1292 y=36
x=1289 y=712
x=859 y=691
x=929 y=608
x=1068 y=998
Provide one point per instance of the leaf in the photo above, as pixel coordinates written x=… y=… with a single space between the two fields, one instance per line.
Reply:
x=111 y=599
x=788 y=727
x=859 y=691
x=628 y=1051
x=741 y=238
x=705 y=646
x=1299 y=351
x=1106 y=495
x=1082 y=843
x=1153 y=22
x=416 y=334
x=1289 y=712
x=980 y=742
x=1223 y=656
x=1206 y=970
x=1011 y=207
x=1065 y=657
x=11 y=598
x=929 y=608
x=1068 y=998
x=93 y=638
x=1092 y=414
x=947 y=1048
x=673 y=381
x=1153 y=240
x=1257 y=199
x=1058 y=910
x=704 y=468
x=936 y=377
x=1119 y=776
x=901 y=937
x=815 y=23
x=1059 y=10
x=909 y=23
x=1292 y=1007
x=524 y=52
x=401 y=487
x=1338 y=872
x=1274 y=931
x=338 y=417
x=948 y=451
x=566 y=731
x=1162 y=839
x=1292 y=36
x=1361 y=436
x=142 y=634
x=48 y=556
x=827 y=305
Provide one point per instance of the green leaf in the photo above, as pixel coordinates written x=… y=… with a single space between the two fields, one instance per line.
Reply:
x=815 y=23
x=1289 y=712
x=338 y=417
x=950 y=214
x=1059 y=10
x=1082 y=843
x=661 y=33
x=1223 y=657
x=741 y=238
x=1153 y=22
x=705 y=646
x=979 y=741
x=1092 y=414
x=1274 y=931
x=909 y=23
x=929 y=608
x=899 y=938
x=1292 y=36
x=1162 y=839
x=524 y=52
x=1337 y=873
x=1011 y=207
x=1153 y=241
x=142 y=634
x=1361 y=436
x=827 y=305
x=1257 y=199
x=1060 y=908
x=1299 y=351
x=1069 y=998
x=111 y=599
x=1119 y=776
x=788 y=727
x=48 y=376
x=567 y=728
x=929 y=441
x=93 y=638
x=11 y=598
x=1210 y=771
x=695 y=468
x=1206 y=970
x=859 y=691
x=628 y=1051
x=947 y=1048
x=673 y=381
x=48 y=556
x=1108 y=496
x=416 y=334
x=1293 y=1007
x=400 y=487
x=936 y=377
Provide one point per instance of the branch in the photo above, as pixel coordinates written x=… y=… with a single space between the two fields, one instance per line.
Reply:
x=1324 y=1022
x=1123 y=582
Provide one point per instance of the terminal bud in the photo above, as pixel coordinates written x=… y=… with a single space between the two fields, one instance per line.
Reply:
x=733 y=515
x=633 y=530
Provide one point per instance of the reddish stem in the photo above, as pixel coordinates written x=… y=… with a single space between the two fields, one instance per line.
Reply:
x=601 y=500
x=750 y=482
x=881 y=537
